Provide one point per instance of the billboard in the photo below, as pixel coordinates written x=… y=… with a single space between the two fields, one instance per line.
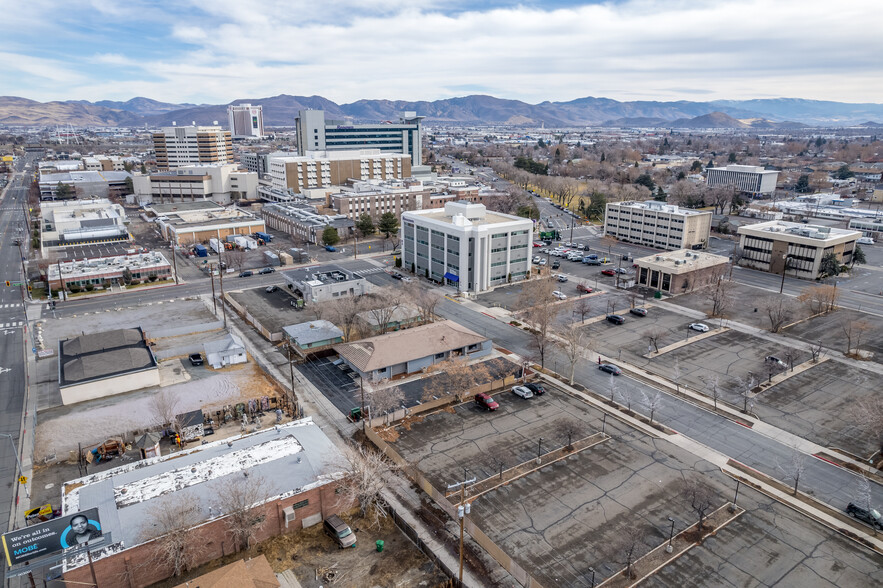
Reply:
x=52 y=536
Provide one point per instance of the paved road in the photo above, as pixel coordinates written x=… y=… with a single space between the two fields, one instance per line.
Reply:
x=829 y=483
x=12 y=325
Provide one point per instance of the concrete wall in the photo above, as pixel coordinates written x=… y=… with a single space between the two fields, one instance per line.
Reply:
x=110 y=386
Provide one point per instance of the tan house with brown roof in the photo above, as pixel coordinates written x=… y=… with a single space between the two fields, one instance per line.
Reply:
x=412 y=350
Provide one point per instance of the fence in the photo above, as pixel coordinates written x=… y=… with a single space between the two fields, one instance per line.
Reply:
x=243 y=312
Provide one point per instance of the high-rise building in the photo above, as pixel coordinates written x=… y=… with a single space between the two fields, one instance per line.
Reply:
x=178 y=146
x=246 y=121
x=654 y=224
x=323 y=169
x=314 y=133
x=748 y=179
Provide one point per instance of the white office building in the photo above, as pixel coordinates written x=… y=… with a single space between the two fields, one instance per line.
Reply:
x=659 y=225
x=466 y=246
x=314 y=133
x=180 y=146
x=748 y=179
x=246 y=121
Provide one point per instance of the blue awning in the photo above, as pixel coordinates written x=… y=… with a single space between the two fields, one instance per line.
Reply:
x=452 y=277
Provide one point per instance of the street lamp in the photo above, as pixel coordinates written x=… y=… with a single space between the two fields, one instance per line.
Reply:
x=20 y=470
x=593 y=576
x=784 y=269
x=539 y=449
x=671 y=534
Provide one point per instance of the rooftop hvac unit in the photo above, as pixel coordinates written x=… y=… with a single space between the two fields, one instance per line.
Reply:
x=677 y=262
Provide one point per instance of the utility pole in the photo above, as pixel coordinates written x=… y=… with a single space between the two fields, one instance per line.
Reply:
x=214 y=297
x=221 y=270
x=24 y=272
x=175 y=260
x=463 y=509
x=296 y=410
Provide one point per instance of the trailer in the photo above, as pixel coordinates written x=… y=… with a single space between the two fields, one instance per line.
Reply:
x=201 y=251
x=266 y=237
x=271 y=259
x=215 y=245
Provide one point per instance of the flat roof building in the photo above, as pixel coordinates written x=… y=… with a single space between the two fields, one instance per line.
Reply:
x=181 y=146
x=66 y=223
x=748 y=179
x=794 y=248
x=85 y=183
x=676 y=272
x=246 y=121
x=323 y=283
x=656 y=224
x=304 y=222
x=223 y=184
x=315 y=133
x=319 y=169
x=466 y=245
x=188 y=227
x=103 y=270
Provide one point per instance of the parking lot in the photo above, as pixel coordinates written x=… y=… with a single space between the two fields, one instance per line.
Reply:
x=829 y=329
x=272 y=309
x=564 y=520
x=630 y=341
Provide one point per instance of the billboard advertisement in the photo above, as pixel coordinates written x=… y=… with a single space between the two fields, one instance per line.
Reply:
x=51 y=536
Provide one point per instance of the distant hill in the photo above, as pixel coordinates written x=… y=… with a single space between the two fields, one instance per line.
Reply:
x=281 y=110
x=870 y=123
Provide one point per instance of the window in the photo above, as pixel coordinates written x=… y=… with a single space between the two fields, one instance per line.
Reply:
x=300 y=504
x=439 y=355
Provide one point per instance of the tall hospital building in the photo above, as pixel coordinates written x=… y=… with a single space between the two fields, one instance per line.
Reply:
x=181 y=146
x=246 y=121
x=315 y=133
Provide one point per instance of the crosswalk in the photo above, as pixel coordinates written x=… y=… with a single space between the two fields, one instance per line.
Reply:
x=13 y=305
x=372 y=270
x=11 y=325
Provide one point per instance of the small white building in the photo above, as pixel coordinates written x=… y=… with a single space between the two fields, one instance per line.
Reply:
x=226 y=351
x=466 y=245
x=748 y=179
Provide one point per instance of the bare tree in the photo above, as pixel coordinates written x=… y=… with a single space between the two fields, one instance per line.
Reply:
x=816 y=350
x=425 y=300
x=571 y=428
x=572 y=341
x=365 y=477
x=383 y=305
x=790 y=354
x=779 y=309
x=235 y=258
x=676 y=374
x=164 y=407
x=854 y=330
x=171 y=525
x=653 y=335
x=746 y=385
x=625 y=394
x=344 y=313
x=583 y=308
x=699 y=496
x=240 y=499
x=720 y=294
x=539 y=312
x=714 y=390
x=653 y=403
x=454 y=376
x=719 y=197
x=867 y=414
x=629 y=544
x=793 y=469
x=383 y=398
x=820 y=299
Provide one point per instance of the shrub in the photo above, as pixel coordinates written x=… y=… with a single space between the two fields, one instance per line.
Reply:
x=74 y=289
x=90 y=287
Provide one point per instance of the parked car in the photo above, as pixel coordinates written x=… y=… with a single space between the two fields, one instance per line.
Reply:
x=591 y=262
x=537 y=243
x=621 y=270
x=638 y=311
x=775 y=360
x=246 y=274
x=407 y=280
x=608 y=272
x=396 y=276
x=610 y=369
x=340 y=532
x=195 y=359
x=543 y=261
x=266 y=270
x=522 y=391
x=555 y=264
x=559 y=295
x=486 y=402
x=584 y=289
x=330 y=248
x=536 y=259
x=582 y=247
x=872 y=516
x=537 y=389
x=271 y=289
x=562 y=278
x=615 y=319
x=699 y=327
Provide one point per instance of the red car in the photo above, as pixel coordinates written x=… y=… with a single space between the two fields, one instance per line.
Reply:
x=608 y=272
x=584 y=288
x=486 y=402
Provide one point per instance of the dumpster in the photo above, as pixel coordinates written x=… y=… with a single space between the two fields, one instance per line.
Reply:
x=657 y=294
x=379 y=545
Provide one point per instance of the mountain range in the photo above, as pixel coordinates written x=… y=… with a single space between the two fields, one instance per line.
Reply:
x=779 y=113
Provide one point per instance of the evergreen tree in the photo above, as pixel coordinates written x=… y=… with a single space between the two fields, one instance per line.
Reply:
x=365 y=225
x=858 y=255
x=389 y=224
x=330 y=237
x=829 y=265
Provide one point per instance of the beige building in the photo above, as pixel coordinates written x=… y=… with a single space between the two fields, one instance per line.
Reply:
x=676 y=272
x=66 y=223
x=794 y=248
x=656 y=224
x=104 y=163
x=183 y=146
x=318 y=169
x=220 y=183
x=191 y=226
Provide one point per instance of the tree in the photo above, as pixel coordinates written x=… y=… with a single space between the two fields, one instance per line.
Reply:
x=696 y=167
x=582 y=307
x=660 y=194
x=164 y=408
x=653 y=336
x=388 y=225
x=425 y=300
x=235 y=196
x=719 y=197
x=383 y=305
x=143 y=169
x=676 y=374
x=854 y=330
x=240 y=500
x=779 y=309
x=858 y=256
x=572 y=340
x=65 y=191
x=820 y=299
x=365 y=225
x=802 y=185
x=330 y=236
x=830 y=265
x=720 y=294
x=630 y=542
x=570 y=428
x=867 y=414
x=792 y=470
x=653 y=402
x=597 y=206
x=815 y=350
x=127 y=276
x=844 y=173
x=235 y=258
x=714 y=390
x=625 y=395
x=344 y=313
x=171 y=525
x=130 y=187
x=746 y=386
x=699 y=496
x=365 y=474
x=539 y=312
x=454 y=376
x=646 y=180
x=731 y=158
x=383 y=398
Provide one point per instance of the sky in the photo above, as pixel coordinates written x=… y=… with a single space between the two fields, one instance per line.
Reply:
x=216 y=51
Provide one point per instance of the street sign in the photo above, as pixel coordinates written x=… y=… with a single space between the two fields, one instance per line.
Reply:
x=22 y=479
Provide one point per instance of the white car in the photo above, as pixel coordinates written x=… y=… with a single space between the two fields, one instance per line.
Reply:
x=406 y=279
x=699 y=327
x=522 y=391
x=559 y=295
x=543 y=261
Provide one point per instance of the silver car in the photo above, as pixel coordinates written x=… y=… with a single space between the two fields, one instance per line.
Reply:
x=522 y=391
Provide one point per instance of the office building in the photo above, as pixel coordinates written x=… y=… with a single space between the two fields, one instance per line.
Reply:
x=869 y=227
x=659 y=225
x=795 y=248
x=104 y=163
x=324 y=283
x=467 y=246
x=220 y=183
x=748 y=179
x=189 y=223
x=181 y=146
x=315 y=133
x=304 y=222
x=676 y=272
x=85 y=184
x=77 y=222
x=246 y=121
x=376 y=198
x=100 y=271
x=320 y=169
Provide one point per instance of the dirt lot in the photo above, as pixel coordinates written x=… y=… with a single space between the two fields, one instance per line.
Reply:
x=309 y=552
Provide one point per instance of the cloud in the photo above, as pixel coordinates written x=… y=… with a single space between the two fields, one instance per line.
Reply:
x=220 y=50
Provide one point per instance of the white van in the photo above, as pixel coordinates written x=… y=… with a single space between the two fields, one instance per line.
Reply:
x=864 y=241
